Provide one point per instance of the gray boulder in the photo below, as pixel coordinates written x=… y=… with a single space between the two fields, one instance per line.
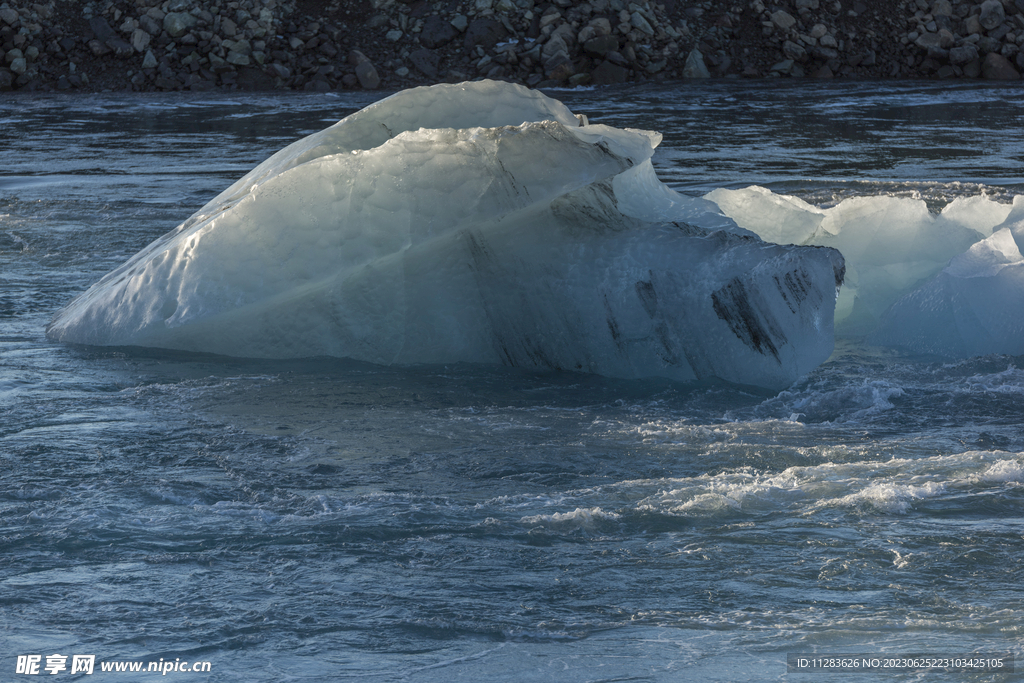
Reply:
x=554 y=46
x=997 y=68
x=638 y=21
x=140 y=40
x=963 y=54
x=120 y=47
x=367 y=75
x=177 y=24
x=783 y=19
x=98 y=48
x=101 y=29
x=989 y=44
x=437 y=31
x=425 y=61
x=695 y=66
x=607 y=73
x=150 y=25
x=601 y=45
x=794 y=51
x=971 y=25
x=992 y=14
x=484 y=31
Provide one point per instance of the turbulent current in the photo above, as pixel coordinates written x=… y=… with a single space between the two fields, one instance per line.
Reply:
x=330 y=519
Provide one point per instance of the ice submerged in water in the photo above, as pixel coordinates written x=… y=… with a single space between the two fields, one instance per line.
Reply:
x=479 y=222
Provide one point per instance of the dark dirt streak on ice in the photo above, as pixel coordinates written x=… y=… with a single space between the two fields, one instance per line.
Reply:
x=732 y=304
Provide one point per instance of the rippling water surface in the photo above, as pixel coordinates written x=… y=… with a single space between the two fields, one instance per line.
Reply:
x=327 y=520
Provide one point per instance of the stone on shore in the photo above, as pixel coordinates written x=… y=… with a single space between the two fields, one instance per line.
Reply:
x=177 y=23
x=425 y=61
x=9 y=16
x=607 y=73
x=992 y=14
x=783 y=20
x=485 y=32
x=437 y=32
x=367 y=75
x=998 y=68
x=599 y=46
x=198 y=44
x=963 y=54
x=140 y=40
x=101 y=29
x=695 y=66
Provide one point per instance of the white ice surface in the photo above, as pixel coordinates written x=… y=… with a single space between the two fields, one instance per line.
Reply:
x=974 y=306
x=476 y=222
x=891 y=244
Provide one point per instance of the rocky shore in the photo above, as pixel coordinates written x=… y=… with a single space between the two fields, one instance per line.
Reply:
x=320 y=45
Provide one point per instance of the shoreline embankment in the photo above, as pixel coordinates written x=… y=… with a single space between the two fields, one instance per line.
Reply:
x=325 y=45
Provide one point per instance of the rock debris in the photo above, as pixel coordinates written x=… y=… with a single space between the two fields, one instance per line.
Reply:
x=324 y=45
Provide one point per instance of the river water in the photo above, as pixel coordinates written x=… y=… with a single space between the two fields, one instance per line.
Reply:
x=331 y=520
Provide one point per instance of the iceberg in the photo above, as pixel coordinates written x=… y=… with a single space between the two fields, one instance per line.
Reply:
x=892 y=245
x=973 y=306
x=478 y=222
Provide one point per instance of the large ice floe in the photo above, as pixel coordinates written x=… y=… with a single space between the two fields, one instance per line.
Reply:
x=948 y=283
x=479 y=222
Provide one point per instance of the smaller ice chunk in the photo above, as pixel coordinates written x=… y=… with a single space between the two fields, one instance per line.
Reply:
x=978 y=213
x=773 y=217
x=891 y=244
x=987 y=257
x=973 y=307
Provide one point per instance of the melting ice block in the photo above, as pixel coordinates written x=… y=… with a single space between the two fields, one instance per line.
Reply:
x=891 y=244
x=973 y=306
x=479 y=222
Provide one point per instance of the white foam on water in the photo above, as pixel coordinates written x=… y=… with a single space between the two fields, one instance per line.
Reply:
x=582 y=517
x=674 y=431
x=890 y=497
x=863 y=487
x=1003 y=471
x=1009 y=381
x=849 y=403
